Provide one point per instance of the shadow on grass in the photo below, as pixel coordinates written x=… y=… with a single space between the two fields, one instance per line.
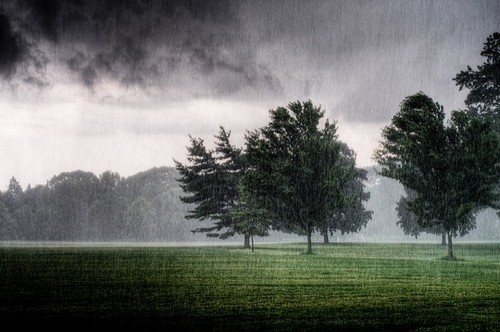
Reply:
x=452 y=259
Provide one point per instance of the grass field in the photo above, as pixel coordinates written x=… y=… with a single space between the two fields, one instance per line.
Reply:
x=341 y=287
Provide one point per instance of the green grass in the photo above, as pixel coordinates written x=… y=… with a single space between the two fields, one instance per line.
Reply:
x=341 y=287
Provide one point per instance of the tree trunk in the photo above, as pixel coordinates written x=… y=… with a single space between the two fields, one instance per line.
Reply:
x=247 y=241
x=325 y=237
x=443 y=239
x=252 y=243
x=450 y=246
x=309 y=241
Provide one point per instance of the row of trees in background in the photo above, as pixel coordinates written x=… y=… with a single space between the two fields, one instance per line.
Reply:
x=292 y=177
x=78 y=206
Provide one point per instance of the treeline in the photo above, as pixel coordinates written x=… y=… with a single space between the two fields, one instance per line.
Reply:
x=80 y=206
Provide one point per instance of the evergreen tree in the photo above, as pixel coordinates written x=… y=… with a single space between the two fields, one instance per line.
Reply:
x=212 y=179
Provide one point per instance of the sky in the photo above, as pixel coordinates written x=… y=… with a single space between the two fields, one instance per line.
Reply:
x=119 y=85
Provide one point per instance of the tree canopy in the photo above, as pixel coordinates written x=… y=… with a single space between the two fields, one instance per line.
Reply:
x=453 y=169
x=484 y=83
x=211 y=180
x=349 y=214
x=294 y=168
x=408 y=220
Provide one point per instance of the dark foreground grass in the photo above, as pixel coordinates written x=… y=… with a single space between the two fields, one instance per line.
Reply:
x=346 y=287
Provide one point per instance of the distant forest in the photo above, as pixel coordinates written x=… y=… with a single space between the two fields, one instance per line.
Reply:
x=80 y=206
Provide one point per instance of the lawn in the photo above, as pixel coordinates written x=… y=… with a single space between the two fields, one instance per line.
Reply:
x=347 y=287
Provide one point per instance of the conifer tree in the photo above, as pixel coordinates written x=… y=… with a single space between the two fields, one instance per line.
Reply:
x=211 y=180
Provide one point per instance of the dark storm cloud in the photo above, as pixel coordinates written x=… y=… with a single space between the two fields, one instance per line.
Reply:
x=13 y=48
x=138 y=42
x=18 y=56
x=359 y=58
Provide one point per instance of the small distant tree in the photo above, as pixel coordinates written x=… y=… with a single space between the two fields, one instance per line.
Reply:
x=453 y=169
x=211 y=178
x=294 y=168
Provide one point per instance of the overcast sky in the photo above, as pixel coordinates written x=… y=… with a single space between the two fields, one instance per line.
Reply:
x=119 y=85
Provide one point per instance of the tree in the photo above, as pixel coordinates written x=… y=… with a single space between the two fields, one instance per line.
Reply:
x=294 y=168
x=72 y=195
x=349 y=215
x=408 y=221
x=484 y=83
x=106 y=212
x=211 y=179
x=8 y=226
x=138 y=218
x=453 y=169
x=249 y=218
x=15 y=190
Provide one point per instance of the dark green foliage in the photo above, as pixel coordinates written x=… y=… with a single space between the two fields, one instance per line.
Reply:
x=346 y=287
x=294 y=168
x=249 y=218
x=408 y=220
x=452 y=169
x=484 y=83
x=211 y=178
x=349 y=214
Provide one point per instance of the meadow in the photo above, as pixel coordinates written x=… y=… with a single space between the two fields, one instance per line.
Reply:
x=344 y=287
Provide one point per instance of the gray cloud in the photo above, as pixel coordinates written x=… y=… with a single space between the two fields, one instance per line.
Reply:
x=139 y=43
x=360 y=57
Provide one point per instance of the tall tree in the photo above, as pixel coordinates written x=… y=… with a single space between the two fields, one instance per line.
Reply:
x=453 y=169
x=349 y=214
x=211 y=179
x=484 y=83
x=294 y=168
